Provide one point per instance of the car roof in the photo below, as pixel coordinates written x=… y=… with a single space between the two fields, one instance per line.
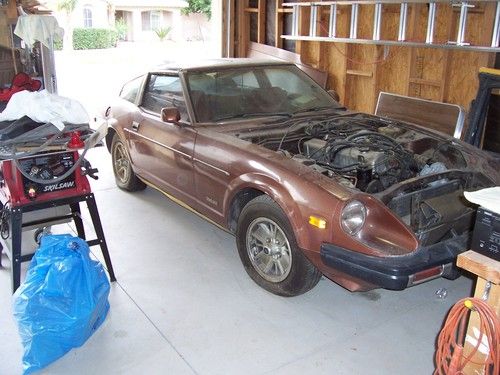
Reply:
x=216 y=63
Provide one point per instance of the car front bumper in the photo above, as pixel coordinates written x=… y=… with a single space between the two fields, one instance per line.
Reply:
x=398 y=272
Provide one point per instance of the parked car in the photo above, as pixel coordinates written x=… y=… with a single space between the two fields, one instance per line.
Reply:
x=308 y=187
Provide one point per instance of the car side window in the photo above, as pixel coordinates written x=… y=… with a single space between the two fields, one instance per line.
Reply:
x=246 y=80
x=130 y=89
x=164 y=91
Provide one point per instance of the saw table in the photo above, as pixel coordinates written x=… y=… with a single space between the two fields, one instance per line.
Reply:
x=43 y=188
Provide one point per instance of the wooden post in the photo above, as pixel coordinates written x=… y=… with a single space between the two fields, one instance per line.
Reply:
x=488 y=272
x=261 y=22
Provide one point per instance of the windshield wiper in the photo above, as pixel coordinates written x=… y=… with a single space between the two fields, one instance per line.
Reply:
x=254 y=114
x=317 y=109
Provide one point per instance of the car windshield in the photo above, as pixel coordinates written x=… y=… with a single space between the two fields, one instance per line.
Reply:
x=253 y=91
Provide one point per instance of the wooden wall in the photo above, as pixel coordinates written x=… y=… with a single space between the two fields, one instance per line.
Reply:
x=359 y=72
x=8 y=16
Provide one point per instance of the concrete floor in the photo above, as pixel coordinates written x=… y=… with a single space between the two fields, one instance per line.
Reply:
x=183 y=303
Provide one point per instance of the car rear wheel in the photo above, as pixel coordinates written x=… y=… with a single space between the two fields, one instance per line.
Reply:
x=269 y=251
x=122 y=168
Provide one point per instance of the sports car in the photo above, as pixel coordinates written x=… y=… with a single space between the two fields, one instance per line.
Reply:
x=308 y=187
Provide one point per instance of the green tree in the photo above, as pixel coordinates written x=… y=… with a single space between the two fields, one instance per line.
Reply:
x=199 y=6
x=68 y=7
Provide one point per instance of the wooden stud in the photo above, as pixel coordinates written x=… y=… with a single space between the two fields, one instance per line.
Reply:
x=261 y=22
x=278 y=24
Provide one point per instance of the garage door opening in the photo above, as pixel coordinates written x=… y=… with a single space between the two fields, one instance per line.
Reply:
x=106 y=45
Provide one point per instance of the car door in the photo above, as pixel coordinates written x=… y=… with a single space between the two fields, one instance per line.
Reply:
x=162 y=152
x=216 y=155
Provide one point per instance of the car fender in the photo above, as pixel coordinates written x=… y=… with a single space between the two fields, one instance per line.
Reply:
x=278 y=193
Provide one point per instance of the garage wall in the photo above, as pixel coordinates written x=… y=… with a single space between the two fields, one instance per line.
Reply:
x=359 y=72
x=8 y=15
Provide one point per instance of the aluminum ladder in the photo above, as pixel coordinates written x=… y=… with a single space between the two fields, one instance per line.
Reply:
x=401 y=38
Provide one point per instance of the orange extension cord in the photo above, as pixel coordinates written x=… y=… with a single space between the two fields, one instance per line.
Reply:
x=450 y=359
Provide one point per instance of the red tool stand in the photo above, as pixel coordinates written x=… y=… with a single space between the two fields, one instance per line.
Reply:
x=22 y=199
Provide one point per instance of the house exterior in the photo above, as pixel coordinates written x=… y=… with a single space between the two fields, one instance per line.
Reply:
x=146 y=16
x=142 y=18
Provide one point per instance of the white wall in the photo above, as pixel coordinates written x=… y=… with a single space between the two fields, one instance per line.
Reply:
x=195 y=27
x=171 y=17
x=99 y=13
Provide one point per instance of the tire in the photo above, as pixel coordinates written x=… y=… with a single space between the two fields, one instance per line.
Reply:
x=269 y=252
x=122 y=167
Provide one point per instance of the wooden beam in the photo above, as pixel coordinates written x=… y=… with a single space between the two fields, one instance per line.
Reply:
x=243 y=32
x=278 y=24
x=261 y=22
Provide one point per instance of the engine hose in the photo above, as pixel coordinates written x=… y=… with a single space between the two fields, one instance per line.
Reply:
x=376 y=135
x=450 y=359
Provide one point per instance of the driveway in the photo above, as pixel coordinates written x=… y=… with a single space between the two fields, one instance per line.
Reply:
x=93 y=76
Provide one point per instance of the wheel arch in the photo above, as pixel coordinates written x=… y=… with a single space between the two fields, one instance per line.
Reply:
x=247 y=187
x=109 y=137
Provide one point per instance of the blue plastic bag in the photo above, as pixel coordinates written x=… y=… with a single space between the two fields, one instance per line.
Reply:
x=62 y=301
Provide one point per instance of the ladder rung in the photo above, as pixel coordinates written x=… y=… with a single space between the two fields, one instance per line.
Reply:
x=332 y=29
x=377 y=20
x=354 y=21
x=430 y=23
x=462 y=23
x=295 y=20
x=496 y=30
x=403 y=15
x=313 y=24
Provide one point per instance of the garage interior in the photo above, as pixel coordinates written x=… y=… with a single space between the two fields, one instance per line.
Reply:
x=183 y=303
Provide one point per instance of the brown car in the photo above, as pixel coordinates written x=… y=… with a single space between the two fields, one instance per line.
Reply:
x=307 y=187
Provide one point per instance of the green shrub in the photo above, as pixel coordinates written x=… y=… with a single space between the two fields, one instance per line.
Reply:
x=121 y=28
x=162 y=32
x=88 y=38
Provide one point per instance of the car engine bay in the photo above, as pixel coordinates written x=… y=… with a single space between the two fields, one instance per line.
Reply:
x=420 y=177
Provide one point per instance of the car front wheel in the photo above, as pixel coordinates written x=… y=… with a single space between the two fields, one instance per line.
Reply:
x=269 y=252
x=122 y=167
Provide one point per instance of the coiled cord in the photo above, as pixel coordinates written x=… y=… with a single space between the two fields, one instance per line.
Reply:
x=450 y=359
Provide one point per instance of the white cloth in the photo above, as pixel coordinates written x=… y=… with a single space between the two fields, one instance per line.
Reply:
x=41 y=106
x=33 y=27
x=488 y=198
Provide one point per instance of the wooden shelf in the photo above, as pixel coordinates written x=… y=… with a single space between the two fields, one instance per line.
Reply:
x=480 y=265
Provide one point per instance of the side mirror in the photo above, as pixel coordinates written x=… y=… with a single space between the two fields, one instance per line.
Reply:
x=334 y=95
x=170 y=114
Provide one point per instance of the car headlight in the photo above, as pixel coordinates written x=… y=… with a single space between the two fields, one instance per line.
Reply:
x=353 y=217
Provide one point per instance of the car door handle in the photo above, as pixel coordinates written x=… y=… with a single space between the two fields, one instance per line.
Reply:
x=135 y=125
